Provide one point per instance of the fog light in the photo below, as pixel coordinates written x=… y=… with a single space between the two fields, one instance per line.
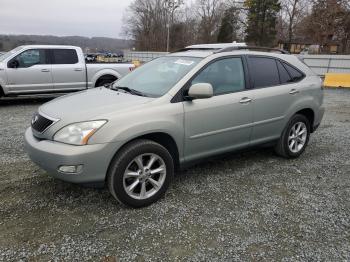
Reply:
x=71 y=169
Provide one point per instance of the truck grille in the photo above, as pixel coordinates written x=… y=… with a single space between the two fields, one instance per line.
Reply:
x=40 y=123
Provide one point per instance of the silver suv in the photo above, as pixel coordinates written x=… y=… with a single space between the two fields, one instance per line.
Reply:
x=189 y=105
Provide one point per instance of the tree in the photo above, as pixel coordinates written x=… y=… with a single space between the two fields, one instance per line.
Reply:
x=325 y=23
x=146 y=23
x=185 y=28
x=171 y=6
x=293 y=11
x=210 y=13
x=345 y=36
x=261 y=21
x=229 y=27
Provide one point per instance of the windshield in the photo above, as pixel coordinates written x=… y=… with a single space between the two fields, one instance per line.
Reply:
x=157 y=77
x=8 y=54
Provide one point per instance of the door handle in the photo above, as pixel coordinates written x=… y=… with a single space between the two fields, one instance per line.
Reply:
x=245 y=100
x=293 y=92
x=45 y=70
x=78 y=69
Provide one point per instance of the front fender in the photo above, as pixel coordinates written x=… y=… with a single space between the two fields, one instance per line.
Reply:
x=124 y=127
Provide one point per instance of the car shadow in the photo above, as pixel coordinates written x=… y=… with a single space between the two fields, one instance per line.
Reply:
x=32 y=100
x=99 y=195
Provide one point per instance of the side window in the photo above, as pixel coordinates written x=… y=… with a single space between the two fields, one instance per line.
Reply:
x=264 y=72
x=64 y=56
x=29 y=58
x=284 y=75
x=294 y=73
x=226 y=76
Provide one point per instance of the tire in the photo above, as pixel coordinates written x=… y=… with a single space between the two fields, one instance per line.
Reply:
x=105 y=81
x=285 y=146
x=125 y=173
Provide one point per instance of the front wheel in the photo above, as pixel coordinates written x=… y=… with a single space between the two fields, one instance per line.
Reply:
x=141 y=173
x=295 y=137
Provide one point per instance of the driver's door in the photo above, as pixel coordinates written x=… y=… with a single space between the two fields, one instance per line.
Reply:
x=29 y=72
x=224 y=122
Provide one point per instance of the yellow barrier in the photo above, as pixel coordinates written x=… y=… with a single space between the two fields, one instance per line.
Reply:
x=337 y=80
x=136 y=63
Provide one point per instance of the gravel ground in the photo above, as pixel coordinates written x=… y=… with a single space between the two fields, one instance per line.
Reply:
x=248 y=206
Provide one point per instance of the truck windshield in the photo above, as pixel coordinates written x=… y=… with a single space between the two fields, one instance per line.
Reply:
x=157 y=77
x=8 y=54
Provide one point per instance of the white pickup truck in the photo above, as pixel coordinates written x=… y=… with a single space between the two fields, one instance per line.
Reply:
x=43 y=69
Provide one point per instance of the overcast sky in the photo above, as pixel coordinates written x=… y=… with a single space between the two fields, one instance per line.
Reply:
x=63 y=17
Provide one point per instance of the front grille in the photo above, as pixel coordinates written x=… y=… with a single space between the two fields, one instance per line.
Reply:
x=40 y=123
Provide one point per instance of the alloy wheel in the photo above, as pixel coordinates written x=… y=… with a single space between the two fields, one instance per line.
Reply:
x=297 y=137
x=144 y=176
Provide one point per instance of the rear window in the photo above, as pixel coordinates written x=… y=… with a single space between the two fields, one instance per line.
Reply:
x=264 y=71
x=64 y=56
x=284 y=75
x=294 y=73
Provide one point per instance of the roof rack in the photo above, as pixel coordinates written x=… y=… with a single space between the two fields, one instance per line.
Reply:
x=231 y=48
x=196 y=49
x=259 y=48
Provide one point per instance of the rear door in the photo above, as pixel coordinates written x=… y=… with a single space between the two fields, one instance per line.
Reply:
x=275 y=92
x=68 y=73
x=223 y=122
x=32 y=72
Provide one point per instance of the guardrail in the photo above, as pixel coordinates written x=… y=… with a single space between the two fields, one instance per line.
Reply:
x=320 y=64
x=143 y=57
x=323 y=64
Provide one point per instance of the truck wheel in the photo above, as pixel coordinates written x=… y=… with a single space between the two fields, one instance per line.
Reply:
x=104 y=80
x=141 y=173
x=295 y=137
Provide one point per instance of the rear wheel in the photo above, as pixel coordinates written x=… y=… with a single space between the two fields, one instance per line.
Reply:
x=105 y=80
x=295 y=137
x=141 y=173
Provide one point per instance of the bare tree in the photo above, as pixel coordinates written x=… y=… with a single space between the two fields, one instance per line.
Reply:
x=146 y=22
x=293 y=11
x=185 y=28
x=151 y=22
x=171 y=6
x=324 y=22
x=210 y=13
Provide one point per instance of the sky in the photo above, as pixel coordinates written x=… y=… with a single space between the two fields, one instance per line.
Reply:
x=63 y=17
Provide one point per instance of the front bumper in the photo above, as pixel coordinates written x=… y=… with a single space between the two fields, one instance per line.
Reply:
x=50 y=155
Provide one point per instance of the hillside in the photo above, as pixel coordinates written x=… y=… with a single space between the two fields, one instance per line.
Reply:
x=94 y=44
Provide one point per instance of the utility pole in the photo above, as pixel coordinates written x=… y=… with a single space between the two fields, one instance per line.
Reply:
x=171 y=6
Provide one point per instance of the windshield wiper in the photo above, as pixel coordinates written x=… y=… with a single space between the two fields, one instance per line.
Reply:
x=128 y=90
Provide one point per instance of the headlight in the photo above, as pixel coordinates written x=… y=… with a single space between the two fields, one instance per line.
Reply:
x=78 y=133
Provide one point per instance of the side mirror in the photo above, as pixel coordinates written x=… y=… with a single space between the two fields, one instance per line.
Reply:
x=200 y=91
x=13 y=64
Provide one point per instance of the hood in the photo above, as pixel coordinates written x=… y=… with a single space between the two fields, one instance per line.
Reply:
x=91 y=104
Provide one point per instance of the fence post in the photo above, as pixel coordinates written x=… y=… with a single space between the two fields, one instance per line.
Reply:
x=329 y=64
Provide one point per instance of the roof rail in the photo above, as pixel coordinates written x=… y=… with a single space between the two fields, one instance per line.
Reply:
x=234 y=48
x=196 y=49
